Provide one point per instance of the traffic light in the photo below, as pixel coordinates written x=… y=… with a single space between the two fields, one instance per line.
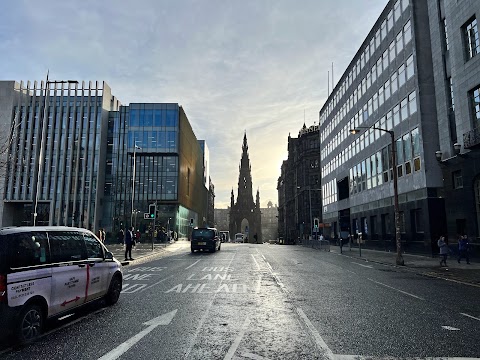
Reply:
x=152 y=210
x=315 y=223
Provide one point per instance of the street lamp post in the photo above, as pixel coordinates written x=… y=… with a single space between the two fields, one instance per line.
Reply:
x=398 y=239
x=43 y=130
x=133 y=181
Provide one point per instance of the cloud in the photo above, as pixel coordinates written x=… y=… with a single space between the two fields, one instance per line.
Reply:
x=247 y=65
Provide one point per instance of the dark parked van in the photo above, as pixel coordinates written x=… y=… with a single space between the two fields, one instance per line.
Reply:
x=48 y=271
x=205 y=239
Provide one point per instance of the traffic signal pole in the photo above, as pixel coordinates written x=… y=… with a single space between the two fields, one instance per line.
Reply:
x=154 y=218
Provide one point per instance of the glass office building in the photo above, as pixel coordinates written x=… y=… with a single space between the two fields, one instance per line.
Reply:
x=144 y=157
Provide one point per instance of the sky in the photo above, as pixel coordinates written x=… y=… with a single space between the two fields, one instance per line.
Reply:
x=254 y=66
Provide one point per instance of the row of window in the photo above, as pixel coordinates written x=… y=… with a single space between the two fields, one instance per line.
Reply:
x=378 y=169
x=392 y=85
x=368 y=52
x=162 y=141
x=396 y=80
x=400 y=112
x=387 y=226
x=153 y=117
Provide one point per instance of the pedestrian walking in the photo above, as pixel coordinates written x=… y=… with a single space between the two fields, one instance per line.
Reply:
x=442 y=245
x=101 y=235
x=463 y=246
x=129 y=240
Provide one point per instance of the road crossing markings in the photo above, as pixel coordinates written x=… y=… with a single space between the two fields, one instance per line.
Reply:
x=367 y=266
x=133 y=288
x=237 y=340
x=470 y=316
x=164 y=319
x=401 y=291
x=322 y=345
x=195 y=263
x=451 y=328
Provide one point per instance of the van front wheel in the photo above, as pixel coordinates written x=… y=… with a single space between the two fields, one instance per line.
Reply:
x=30 y=324
x=114 y=290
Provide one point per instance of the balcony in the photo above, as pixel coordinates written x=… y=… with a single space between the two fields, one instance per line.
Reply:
x=471 y=139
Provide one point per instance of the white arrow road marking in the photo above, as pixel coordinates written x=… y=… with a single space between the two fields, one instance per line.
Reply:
x=367 y=266
x=450 y=328
x=164 y=319
x=470 y=316
x=391 y=287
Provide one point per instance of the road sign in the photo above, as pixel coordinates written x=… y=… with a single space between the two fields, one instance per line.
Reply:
x=146 y=215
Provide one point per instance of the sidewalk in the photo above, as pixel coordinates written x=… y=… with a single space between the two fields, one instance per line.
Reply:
x=420 y=264
x=140 y=251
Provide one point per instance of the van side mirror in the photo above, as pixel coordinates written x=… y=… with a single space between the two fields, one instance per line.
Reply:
x=108 y=255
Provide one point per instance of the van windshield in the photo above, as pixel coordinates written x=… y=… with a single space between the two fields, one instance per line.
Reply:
x=204 y=233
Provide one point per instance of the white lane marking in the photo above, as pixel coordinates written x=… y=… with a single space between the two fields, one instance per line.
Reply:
x=350 y=271
x=237 y=340
x=204 y=317
x=257 y=289
x=256 y=262
x=250 y=355
x=195 y=263
x=65 y=317
x=133 y=288
x=367 y=266
x=401 y=291
x=158 y=282
x=264 y=258
x=470 y=316
x=451 y=328
x=277 y=280
x=164 y=319
x=318 y=339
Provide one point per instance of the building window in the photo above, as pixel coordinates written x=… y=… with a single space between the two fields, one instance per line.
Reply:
x=410 y=68
x=445 y=33
x=451 y=99
x=475 y=96
x=457 y=179
x=472 y=42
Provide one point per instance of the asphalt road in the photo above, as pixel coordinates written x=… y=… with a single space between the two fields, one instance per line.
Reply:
x=268 y=302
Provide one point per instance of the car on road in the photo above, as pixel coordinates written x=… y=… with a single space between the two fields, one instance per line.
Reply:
x=205 y=239
x=46 y=272
x=239 y=238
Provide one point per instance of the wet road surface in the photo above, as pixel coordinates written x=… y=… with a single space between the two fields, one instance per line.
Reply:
x=268 y=302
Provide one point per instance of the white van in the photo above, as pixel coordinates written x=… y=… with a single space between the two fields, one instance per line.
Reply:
x=48 y=271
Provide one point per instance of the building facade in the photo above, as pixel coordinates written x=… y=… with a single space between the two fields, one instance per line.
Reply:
x=56 y=153
x=456 y=63
x=269 y=222
x=388 y=86
x=84 y=160
x=299 y=191
x=222 y=219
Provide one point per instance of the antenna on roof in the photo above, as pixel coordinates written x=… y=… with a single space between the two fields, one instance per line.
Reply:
x=328 y=83
x=332 y=77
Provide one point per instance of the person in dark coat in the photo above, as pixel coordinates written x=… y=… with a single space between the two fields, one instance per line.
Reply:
x=129 y=243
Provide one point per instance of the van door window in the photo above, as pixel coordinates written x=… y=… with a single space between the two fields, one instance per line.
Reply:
x=67 y=246
x=27 y=249
x=94 y=248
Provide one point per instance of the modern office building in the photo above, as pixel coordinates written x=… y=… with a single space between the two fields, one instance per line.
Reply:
x=299 y=191
x=456 y=64
x=56 y=153
x=154 y=154
x=78 y=160
x=389 y=86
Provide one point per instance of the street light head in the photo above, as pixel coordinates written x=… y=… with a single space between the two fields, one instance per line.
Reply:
x=354 y=131
x=72 y=81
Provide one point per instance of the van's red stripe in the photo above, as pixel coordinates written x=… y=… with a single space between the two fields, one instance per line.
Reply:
x=88 y=282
